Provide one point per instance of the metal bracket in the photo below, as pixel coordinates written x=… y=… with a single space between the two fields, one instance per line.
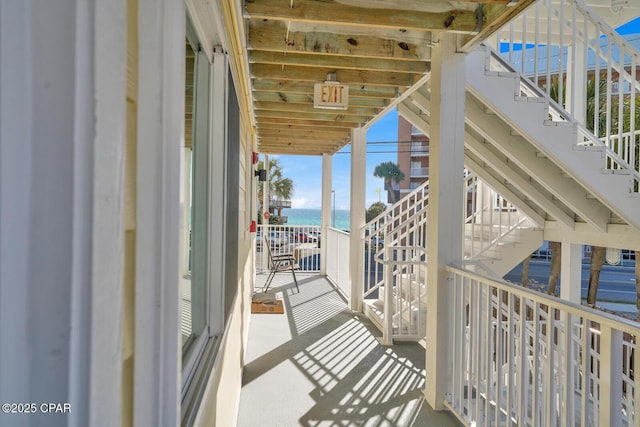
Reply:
x=479 y=19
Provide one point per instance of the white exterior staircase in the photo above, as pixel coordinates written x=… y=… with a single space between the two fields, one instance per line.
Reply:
x=526 y=149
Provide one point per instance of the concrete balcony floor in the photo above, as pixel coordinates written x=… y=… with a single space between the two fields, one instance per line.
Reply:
x=319 y=364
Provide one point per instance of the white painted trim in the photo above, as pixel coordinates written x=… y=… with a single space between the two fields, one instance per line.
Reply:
x=444 y=227
x=217 y=190
x=327 y=161
x=157 y=377
x=17 y=147
x=107 y=47
x=571 y=268
x=357 y=216
x=619 y=236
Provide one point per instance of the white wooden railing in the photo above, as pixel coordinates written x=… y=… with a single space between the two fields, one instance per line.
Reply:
x=523 y=358
x=395 y=244
x=338 y=244
x=404 y=293
x=490 y=218
x=403 y=224
x=564 y=41
x=303 y=241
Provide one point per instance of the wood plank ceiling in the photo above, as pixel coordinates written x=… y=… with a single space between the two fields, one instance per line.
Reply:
x=380 y=48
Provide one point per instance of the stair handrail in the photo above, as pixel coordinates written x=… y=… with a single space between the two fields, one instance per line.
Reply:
x=560 y=114
x=413 y=193
x=376 y=235
x=588 y=55
x=478 y=206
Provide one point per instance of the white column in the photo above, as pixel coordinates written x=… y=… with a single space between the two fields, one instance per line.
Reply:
x=357 y=215
x=157 y=378
x=327 y=160
x=571 y=268
x=265 y=209
x=445 y=223
x=62 y=145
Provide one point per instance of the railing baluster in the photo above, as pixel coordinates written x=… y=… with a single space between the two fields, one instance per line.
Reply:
x=636 y=383
x=549 y=372
x=610 y=403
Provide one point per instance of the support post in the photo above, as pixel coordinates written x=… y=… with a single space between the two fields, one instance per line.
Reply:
x=357 y=216
x=326 y=210
x=265 y=209
x=571 y=277
x=160 y=123
x=610 y=377
x=62 y=152
x=445 y=223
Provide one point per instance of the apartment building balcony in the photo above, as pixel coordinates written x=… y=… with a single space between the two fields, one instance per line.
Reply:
x=419 y=172
x=279 y=204
x=419 y=150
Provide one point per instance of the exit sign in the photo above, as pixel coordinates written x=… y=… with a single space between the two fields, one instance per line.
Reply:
x=331 y=95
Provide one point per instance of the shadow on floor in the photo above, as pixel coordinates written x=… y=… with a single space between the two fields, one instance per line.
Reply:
x=320 y=364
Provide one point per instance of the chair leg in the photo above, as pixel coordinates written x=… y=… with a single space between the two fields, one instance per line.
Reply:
x=293 y=271
x=270 y=277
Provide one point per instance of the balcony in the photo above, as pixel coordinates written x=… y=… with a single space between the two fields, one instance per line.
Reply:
x=279 y=204
x=419 y=150
x=419 y=172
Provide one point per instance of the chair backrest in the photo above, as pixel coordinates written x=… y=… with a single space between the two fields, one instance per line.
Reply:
x=266 y=243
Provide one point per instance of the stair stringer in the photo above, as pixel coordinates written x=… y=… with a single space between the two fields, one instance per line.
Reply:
x=510 y=254
x=500 y=92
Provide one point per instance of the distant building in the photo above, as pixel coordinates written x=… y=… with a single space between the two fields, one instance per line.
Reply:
x=413 y=156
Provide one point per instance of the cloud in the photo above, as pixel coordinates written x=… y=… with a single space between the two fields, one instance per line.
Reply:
x=303 y=203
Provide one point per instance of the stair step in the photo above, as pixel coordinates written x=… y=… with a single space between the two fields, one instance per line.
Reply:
x=534 y=99
x=570 y=125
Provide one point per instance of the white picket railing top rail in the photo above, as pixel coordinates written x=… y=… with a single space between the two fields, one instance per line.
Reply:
x=601 y=317
x=380 y=219
x=536 y=359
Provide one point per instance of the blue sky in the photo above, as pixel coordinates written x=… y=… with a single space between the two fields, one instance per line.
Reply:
x=306 y=171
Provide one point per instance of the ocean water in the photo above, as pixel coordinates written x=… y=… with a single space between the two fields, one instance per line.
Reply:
x=339 y=217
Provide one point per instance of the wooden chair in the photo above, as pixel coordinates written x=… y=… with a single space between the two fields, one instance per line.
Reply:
x=278 y=263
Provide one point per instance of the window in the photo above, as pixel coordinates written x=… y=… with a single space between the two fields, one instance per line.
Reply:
x=194 y=282
x=211 y=198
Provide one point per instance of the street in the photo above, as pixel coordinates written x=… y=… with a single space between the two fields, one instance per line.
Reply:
x=617 y=283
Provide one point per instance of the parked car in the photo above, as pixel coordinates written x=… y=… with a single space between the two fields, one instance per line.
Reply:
x=374 y=242
x=277 y=239
x=302 y=237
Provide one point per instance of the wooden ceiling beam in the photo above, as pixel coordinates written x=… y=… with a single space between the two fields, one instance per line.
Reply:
x=369 y=91
x=285 y=127
x=318 y=75
x=323 y=12
x=494 y=17
x=273 y=36
x=299 y=98
x=321 y=117
x=325 y=141
x=304 y=135
x=309 y=121
x=339 y=62
x=297 y=152
x=309 y=108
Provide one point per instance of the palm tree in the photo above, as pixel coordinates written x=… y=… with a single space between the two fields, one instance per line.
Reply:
x=597 y=260
x=556 y=261
x=280 y=188
x=374 y=210
x=598 y=253
x=389 y=171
